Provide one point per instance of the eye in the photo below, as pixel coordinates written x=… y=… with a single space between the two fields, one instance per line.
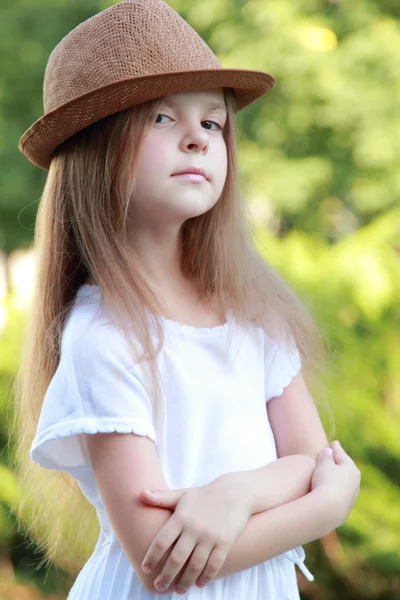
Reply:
x=159 y=115
x=217 y=124
x=213 y=122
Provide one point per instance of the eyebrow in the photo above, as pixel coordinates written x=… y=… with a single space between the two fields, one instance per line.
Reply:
x=212 y=104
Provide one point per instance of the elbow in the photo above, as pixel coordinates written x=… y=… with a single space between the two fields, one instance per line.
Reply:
x=147 y=581
x=149 y=586
x=159 y=517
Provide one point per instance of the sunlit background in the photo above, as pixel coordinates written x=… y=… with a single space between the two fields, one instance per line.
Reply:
x=319 y=170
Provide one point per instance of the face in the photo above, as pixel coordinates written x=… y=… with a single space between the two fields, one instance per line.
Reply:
x=187 y=132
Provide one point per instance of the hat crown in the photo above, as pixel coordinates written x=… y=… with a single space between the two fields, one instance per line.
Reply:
x=133 y=38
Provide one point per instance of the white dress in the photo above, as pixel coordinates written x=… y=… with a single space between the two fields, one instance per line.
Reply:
x=215 y=412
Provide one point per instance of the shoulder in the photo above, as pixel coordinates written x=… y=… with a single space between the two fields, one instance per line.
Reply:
x=282 y=363
x=87 y=318
x=90 y=337
x=279 y=345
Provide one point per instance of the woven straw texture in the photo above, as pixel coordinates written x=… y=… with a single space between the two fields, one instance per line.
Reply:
x=132 y=52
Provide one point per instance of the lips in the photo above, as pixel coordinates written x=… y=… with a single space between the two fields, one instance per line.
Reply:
x=193 y=170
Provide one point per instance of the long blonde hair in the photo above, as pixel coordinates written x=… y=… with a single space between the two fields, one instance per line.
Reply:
x=82 y=230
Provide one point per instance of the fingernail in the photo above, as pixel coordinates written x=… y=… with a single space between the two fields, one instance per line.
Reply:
x=327 y=451
x=180 y=590
x=147 y=568
x=160 y=587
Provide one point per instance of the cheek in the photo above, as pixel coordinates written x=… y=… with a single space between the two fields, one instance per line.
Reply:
x=154 y=160
x=221 y=164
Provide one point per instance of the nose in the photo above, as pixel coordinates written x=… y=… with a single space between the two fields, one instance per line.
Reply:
x=195 y=138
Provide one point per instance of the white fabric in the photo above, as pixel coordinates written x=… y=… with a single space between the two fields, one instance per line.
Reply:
x=216 y=422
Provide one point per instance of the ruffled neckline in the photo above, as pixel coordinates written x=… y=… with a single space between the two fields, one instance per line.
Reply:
x=94 y=290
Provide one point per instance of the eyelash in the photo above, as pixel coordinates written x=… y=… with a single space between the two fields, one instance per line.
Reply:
x=207 y=121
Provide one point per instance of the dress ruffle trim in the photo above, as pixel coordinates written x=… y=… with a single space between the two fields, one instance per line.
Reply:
x=289 y=376
x=85 y=425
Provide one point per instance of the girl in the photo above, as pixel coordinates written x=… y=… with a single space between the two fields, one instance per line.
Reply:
x=162 y=353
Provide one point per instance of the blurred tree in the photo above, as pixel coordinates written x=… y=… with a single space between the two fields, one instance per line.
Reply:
x=319 y=169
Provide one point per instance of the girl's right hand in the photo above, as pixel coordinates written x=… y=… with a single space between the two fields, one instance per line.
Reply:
x=337 y=474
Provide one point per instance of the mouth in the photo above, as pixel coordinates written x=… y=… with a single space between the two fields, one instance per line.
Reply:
x=193 y=170
x=193 y=177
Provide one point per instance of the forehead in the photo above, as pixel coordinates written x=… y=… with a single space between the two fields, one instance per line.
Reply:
x=207 y=98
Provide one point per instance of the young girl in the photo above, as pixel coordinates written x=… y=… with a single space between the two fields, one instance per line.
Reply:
x=162 y=352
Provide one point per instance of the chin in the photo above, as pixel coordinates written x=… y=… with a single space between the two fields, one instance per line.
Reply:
x=197 y=209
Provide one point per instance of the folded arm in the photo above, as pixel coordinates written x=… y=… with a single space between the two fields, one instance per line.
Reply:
x=299 y=438
x=280 y=529
x=286 y=513
x=126 y=464
x=279 y=482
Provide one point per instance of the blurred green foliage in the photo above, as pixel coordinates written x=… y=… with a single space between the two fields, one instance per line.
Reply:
x=319 y=169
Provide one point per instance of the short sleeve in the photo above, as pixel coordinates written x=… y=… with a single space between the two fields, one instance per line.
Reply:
x=94 y=389
x=282 y=364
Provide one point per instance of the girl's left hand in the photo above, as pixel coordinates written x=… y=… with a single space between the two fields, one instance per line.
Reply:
x=207 y=520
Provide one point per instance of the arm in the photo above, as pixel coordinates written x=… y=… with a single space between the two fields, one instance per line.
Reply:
x=123 y=465
x=299 y=438
x=126 y=464
x=299 y=515
x=280 y=529
x=275 y=483
x=265 y=535
x=305 y=515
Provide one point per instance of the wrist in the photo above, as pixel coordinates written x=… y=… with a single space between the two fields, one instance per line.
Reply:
x=237 y=484
x=328 y=501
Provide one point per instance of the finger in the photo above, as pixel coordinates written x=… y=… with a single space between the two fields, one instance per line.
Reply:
x=340 y=455
x=163 y=540
x=326 y=452
x=176 y=560
x=213 y=566
x=165 y=498
x=195 y=567
x=149 y=497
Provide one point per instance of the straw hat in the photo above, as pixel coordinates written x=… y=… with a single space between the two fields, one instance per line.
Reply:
x=132 y=52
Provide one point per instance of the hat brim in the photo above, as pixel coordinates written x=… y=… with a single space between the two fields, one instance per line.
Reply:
x=42 y=138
